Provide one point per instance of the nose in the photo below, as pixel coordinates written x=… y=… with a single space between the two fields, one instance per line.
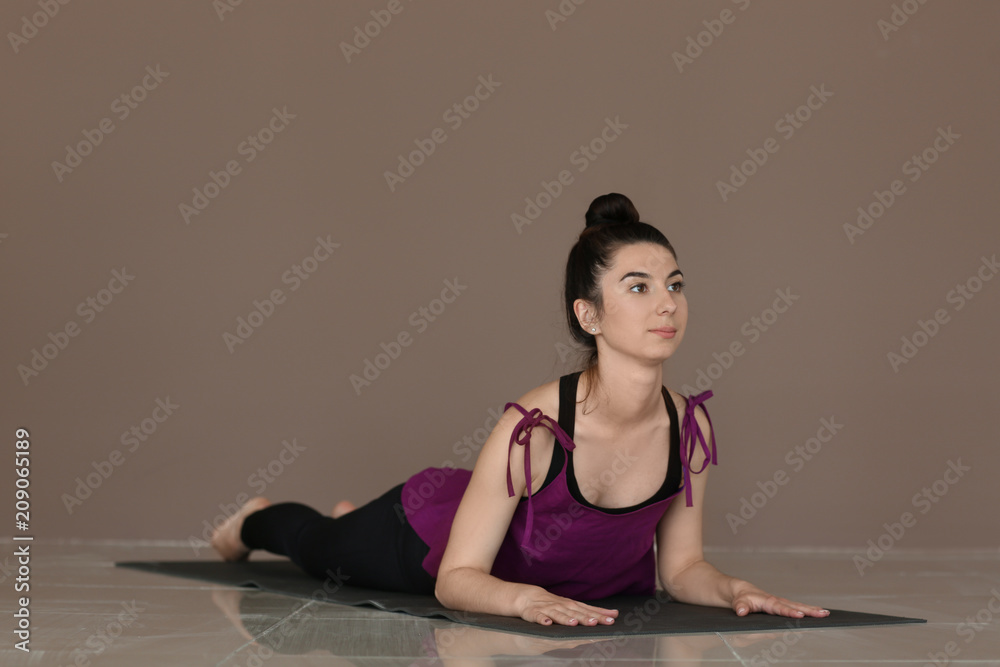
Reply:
x=667 y=304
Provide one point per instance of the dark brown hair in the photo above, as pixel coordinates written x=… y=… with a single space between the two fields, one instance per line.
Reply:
x=612 y=222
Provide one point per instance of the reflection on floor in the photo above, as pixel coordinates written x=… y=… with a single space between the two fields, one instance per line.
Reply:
x=84 y=611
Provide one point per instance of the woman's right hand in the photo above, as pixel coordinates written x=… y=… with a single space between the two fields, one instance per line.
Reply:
x=537 y=605
x=482 y=521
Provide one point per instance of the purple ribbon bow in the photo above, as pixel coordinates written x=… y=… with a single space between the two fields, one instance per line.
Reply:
x=691 y=435
x=521 y=435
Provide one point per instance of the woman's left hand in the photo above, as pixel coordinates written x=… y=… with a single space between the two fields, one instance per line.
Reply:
x=748 y=599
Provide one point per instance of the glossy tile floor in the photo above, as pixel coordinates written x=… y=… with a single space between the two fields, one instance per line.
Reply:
x=85 y=611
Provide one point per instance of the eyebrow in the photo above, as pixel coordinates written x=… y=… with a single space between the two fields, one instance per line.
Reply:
x=646 y=276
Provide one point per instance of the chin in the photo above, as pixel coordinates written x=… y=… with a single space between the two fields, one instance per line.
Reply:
x=671 y=351
x=661 y=355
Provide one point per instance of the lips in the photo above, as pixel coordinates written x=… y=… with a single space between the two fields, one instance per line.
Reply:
x=665 y=332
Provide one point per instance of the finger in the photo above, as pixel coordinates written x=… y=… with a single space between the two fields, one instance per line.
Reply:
x=743 y=606
x=800 y=609
x=783 y=607
x=548 y=616
x=818 y=612
x=750 y=603
x=597 y=615
x=566 y=611
x=542 y=618
x=602 y=615
x=566 y=617
x=779 y=609
x=589 y=614
x=768 y=604
x=581 y=614
x=804 y=609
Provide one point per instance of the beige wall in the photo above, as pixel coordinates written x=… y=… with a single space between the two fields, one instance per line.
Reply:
x=552 y=89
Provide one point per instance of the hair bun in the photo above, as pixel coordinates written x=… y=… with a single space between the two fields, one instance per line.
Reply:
x=611 y=208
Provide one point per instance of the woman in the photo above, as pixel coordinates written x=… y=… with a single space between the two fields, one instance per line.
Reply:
x=554 y=512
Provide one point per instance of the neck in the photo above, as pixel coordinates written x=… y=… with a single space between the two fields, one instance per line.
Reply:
x=626 y=392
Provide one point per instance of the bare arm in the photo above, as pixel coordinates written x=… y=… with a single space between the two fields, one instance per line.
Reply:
x=464 y=581
x=685 y=574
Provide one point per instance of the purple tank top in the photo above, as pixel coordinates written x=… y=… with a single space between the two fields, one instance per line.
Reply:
x=556 y=539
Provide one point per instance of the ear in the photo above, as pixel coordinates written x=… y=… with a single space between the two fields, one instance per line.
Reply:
x=586 y=315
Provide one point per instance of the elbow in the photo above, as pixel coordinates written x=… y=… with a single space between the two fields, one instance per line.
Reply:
x=675 y=589
x=443 y=587
x=670 y=586
x=455 y=587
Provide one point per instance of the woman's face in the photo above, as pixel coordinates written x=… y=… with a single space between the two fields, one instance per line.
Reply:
x=645 y=309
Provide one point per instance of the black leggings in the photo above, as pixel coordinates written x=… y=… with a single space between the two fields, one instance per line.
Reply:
x=373 y=547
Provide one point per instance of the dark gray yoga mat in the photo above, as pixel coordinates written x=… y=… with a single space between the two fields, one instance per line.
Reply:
x=637 y=615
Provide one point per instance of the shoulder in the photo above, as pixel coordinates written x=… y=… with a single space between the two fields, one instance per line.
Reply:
x=681 y=403
x=701 y=419
x=544 y=397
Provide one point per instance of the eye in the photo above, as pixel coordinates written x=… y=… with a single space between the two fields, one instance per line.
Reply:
x=677 y=286
x=642 y=288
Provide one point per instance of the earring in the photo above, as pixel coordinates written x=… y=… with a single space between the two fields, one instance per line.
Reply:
x=593 y=328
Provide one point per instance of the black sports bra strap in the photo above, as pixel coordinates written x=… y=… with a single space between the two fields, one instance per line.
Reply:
x=567 y=418
x=567 y=402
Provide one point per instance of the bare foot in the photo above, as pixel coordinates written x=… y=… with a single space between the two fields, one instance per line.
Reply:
x=342 y=508
x=226 y=538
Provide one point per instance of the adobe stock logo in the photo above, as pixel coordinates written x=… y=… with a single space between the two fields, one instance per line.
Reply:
x=915 y=167
x=924 y=500
x=362 y=38
x=101 y=641
x=132 y=439
x=122 y=106
x=258 y=481
x=898 y=18
x=769 y=488
x=753 y=329
x=37 y=21
x=223 y=7
x=581 y=158
x=250 y=148
x=786 y=125
x=696 y=44
x=87 y=309
x=420 y=319
x=959 y=297
x=455 y=116
x=566 y=8
x=264 y=309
